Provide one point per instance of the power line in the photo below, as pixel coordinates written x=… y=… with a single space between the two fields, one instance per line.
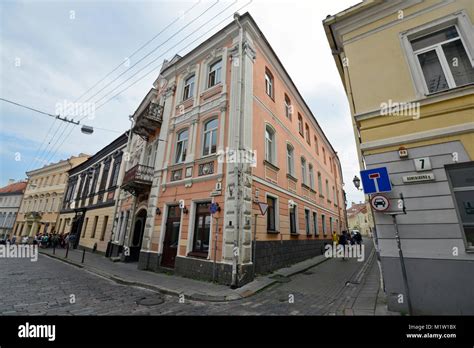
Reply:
x=153 y=50
x=139 y=60
x=140 y=48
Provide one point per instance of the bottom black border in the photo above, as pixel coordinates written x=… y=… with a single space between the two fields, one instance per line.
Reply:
x=220 y=330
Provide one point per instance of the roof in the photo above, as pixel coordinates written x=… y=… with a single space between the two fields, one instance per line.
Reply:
x=357 y=208
x=17 y=187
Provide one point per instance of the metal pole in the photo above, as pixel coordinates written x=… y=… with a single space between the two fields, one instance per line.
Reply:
x=402 y=264
x=67 y=249
x=215 y=251
x=254 y=258
x=83 y=255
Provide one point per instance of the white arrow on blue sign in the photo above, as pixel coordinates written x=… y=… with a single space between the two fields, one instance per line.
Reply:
x=375 y=180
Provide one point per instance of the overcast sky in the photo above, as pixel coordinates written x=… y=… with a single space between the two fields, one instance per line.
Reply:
x=52 y=52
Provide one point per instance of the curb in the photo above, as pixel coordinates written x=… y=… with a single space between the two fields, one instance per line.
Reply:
x=238 y=294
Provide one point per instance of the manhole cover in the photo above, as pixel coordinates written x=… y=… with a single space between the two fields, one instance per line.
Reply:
x=280 y=278
x=151 y=301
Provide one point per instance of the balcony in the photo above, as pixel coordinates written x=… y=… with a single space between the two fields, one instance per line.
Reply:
x=138 y=179
x=148 y=121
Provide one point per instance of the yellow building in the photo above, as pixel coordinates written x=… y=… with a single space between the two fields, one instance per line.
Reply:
x=359 y=217
x=407 y=69
x=43 y=195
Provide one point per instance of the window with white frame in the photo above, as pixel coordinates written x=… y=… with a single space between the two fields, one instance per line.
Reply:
x=270 y=150
x=443 y=59
x=290 y=159
x=188 y=91
x=303 y=171
x=214 y=75
x=327 y=189
x=269 y=83
x=181 y=146
x=311 y=176
x=330 y=225
x=210 y=137
x=288 y=107
x=320 y=184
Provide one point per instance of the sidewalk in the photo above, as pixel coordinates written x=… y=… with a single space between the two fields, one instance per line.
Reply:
x=128 y=274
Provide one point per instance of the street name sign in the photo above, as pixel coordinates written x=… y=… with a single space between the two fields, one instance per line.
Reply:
x=418 y=177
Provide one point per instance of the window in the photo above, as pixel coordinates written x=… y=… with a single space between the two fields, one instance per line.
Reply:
x=315 y=223
x=188 y=91
x=181 y=146
x=327 y=189
x=104 y=227
x=303 y=170
x=323 y=224
x=443 y=60
x=290 y=159
x=460 y=179
x=115 y=171
x=105 y=174
x=202 y=228
x=300 y=124
x=334 y=195
x=324 y=155
x=94 y=227
x=330 y=164
x=311 y=176
x=271 y=217
x=214 y=75
x=320 y=184
x=288 y=107
x=293 y=229
x=210 y=138
x=330 y=225
x=270 y=145
x=269 y=83
x=307 y=222
x=308 y=136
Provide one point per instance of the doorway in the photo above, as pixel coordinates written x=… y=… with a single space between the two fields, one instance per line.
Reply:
x=171 y=240
x=138 y=229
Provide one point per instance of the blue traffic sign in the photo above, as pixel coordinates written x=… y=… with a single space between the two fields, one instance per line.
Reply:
x=375 y=180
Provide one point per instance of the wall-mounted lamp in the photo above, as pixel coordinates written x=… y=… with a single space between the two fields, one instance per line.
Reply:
x=356 y=182
x=158 y=211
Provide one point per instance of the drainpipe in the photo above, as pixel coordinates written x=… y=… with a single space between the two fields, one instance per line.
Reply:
x=237 y=165
x=119 y=199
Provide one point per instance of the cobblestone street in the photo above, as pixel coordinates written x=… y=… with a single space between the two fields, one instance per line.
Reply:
x=52 y=287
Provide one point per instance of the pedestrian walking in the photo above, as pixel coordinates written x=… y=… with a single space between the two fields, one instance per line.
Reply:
x=343 y=240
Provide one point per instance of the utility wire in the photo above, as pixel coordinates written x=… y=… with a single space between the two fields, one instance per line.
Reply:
x=140 y=48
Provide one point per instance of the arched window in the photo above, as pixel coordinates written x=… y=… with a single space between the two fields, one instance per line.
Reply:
x=181 y=146
x=308 y=136
x=188 y=91
x=290 y=159
x=270 y=152
x=210 y=137
x=214 y=75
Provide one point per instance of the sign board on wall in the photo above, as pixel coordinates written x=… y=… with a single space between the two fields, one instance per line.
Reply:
x=418 y=178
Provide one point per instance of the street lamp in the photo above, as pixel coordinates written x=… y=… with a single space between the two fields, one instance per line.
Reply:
x=356 y=182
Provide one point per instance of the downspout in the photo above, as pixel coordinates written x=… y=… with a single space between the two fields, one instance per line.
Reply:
x=237 y=165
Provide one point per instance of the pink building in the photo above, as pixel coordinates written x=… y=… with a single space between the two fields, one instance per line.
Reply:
x=225 y=126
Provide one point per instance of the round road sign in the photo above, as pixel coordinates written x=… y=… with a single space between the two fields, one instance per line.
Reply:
x=379 y=202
